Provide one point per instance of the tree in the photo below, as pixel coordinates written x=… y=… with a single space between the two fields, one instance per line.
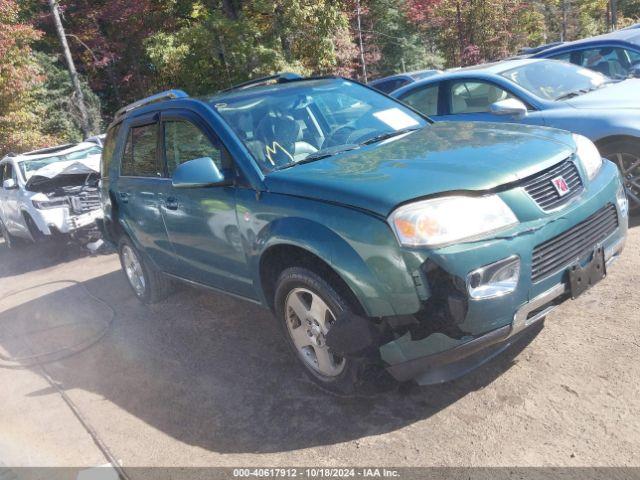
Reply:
x=216 y=45
x=56 y=99
x=20 y=115
x=397 y=40
x=471 y=31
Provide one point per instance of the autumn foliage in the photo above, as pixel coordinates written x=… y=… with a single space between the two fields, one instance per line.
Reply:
x=19 y=78
x=127 y=49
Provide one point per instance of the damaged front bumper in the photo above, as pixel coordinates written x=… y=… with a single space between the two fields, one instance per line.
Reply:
x=62 y=221
x=484 y=328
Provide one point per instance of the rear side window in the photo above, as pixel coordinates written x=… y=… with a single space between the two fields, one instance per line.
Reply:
x=109 y=148
x=140 y=157
x=563 y=57
x=389 y=86
x=423 y=99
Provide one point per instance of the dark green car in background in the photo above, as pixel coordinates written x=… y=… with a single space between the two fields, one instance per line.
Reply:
x=386 y=245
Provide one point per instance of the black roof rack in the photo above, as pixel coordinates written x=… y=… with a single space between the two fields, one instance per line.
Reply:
x=278 y=78
x=158 y=97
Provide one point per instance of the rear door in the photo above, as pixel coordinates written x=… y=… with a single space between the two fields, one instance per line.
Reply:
x=138 y=188
x=201 y=222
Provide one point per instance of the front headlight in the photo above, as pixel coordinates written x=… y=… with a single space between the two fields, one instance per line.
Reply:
x=450 y=219
x=47 y=204
x=588 y=154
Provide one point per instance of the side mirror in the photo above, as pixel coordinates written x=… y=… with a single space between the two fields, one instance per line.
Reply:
x=200 y=172
x=634 y=71
x=509 y=106
x=9 y=184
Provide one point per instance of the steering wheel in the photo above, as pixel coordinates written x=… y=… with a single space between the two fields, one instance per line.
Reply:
x=339 y=136
x=348 y=135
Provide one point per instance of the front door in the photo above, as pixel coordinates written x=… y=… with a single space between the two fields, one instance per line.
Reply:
x=10 y=198
x=201 y=222
x=471 y=100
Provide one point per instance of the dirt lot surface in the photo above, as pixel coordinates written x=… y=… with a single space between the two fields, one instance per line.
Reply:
x=206 y=380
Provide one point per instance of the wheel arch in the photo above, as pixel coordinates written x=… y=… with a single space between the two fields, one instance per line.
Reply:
x=604 y=142
x=281 y=256
x=379 y=285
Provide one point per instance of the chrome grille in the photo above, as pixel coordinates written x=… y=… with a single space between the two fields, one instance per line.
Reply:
x=85 y=202
x=541 y=188
x=564 y=249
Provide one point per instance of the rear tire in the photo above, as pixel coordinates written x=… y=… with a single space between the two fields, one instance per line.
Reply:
x=149 y=285
x=626 y=155
x=306 y=306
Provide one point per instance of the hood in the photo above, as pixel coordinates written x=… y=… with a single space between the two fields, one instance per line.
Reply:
x=621 y=95
x=46 y=174
x=443 y=157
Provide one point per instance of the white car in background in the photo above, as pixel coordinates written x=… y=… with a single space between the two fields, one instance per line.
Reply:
x=52 y=192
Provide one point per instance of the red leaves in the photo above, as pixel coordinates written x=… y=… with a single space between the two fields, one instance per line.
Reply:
x=422 y=11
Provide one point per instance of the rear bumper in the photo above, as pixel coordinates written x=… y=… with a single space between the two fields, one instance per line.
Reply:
x=455 y=362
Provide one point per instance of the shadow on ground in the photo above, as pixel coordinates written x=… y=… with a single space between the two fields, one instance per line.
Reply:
x=215 y=372
x=28 y=257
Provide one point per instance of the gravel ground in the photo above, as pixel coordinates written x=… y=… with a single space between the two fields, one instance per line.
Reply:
x=206 y=380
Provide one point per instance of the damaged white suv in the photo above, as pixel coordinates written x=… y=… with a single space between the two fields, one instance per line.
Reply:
x=52 y=192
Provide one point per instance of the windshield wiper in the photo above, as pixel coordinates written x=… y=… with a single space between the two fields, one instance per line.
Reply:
x=319 y=155
x=569 y=95
x=582 y=91
x=386 y=135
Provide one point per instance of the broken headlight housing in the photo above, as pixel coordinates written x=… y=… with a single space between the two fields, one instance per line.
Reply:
x=446 y=220
x=47 y=204
x=588 y=154
x=494 y=280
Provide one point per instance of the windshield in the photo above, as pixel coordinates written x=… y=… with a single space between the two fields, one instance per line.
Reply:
x=309 y=120
x=555 y=80
x=27 y=167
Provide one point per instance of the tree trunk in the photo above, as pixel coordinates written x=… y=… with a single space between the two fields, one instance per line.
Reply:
x=563 y=31
x=461 y=41
x=614 y=14
x=84 y=116
x=360 y=44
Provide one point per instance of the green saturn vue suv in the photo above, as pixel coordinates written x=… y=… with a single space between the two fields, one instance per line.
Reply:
x=386 y=245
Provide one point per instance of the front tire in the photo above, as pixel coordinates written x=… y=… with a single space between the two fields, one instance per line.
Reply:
x=36 y=235
x=9 y=240
x=149 y=285
x=626 y=155
x=306 y=307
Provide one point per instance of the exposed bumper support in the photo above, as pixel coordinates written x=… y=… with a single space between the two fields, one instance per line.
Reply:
x=449 y=364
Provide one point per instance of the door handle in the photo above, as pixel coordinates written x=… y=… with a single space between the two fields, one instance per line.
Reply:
x=171 y=203
x=124 y=196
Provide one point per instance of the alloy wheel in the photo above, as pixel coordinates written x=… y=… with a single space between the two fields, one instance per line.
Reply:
x=133 y=270
x=308 y=319
x=629 y=166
